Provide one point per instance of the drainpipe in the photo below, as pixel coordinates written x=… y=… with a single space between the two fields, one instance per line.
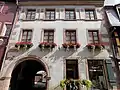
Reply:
x=115 y=60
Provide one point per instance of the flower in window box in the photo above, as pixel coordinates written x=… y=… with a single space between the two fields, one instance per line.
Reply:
x=95 y=46
x=99 y=46
x=23 y=45
x=90 y=46
x=47 y=45
x=71 y=45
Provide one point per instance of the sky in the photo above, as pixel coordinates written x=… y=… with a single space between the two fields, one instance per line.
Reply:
x=111 y=2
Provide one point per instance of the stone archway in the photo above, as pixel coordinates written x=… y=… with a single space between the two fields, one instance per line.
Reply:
x=23 y=75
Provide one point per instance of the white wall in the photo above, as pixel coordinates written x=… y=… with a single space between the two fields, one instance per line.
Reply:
x=57 y=70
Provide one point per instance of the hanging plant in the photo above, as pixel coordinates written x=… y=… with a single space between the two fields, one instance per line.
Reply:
x=98 y=46
x=47 y=45
x=23 y=45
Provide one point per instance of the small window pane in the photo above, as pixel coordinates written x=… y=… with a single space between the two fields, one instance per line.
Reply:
x=90 y=14
x=30 y=14
x=93 y=36
x=70 y=14
x=50 y=14
x=27 y=35
x=71 y=36
x=49 y=35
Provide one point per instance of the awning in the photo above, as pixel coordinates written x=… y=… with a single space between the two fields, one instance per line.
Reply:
x=113 y=18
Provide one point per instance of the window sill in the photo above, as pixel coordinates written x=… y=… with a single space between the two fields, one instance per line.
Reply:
x=61 y=20
x=29 y=20
x=49 y=19
x=93 y=20
x=69 y=19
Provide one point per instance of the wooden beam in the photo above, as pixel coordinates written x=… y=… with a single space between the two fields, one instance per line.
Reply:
x=74 y=2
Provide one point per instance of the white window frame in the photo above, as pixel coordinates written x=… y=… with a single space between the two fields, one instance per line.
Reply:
x=118 y=8
x=21 y=33
x=1 y=9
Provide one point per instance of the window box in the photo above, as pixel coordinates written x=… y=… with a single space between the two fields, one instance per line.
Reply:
x=23 y=45
x=47 y=45
x=71 y=45
x=95 y=46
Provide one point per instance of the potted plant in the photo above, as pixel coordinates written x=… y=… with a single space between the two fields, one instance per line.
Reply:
x=75 y=83
x=69 y=83
x=26 y=45
x=47 y=45
x=87 y=83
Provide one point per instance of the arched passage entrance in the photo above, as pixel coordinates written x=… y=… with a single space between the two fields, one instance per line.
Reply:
x=26 y=76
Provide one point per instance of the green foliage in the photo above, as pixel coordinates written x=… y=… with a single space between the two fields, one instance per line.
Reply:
x=62 y=83
x=86 y=83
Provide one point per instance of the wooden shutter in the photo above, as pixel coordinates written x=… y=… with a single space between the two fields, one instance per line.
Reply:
x=62 y=13
x=37 y=14
x=110 y=72
x=42 y=14
x=4 y=29
x=57 y=13
x=42 y=36
x=77 y=13
x=82 y=13
x=1 y=27
x=98 y=13
x=20 y=35
x=64 y=36
x=22 y=15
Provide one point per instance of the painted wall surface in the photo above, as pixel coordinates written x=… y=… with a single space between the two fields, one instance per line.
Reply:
x=7 y=13
x=56 y=59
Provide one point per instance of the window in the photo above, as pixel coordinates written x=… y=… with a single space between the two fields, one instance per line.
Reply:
x=30 y=14
x=70 y=36
x=117 y=41
x=72 y=69
x=70 y=14
x=97 y=74
x=7 y=33
x=49 y=36
x=50 y=14
x=72 y=73
x=119 y=11
x=93 y=36
x=26 y=36
x=90 y=14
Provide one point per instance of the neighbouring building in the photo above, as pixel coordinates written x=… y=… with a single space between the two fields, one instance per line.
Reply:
x=57 y=39
x=112 y=15
x=7 y=13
